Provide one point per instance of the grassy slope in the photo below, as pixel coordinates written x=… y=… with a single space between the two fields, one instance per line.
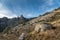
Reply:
x=48 y=35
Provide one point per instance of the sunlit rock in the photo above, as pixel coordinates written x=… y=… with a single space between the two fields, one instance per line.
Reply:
x=42 y=27
x=21 y=36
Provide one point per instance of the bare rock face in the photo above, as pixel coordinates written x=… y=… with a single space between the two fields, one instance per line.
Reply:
x=42 y=27
x=21 y=36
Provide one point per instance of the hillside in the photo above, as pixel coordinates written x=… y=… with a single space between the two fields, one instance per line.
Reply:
x=44 y=27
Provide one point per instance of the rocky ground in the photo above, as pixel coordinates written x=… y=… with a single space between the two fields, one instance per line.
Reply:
x=27 y=30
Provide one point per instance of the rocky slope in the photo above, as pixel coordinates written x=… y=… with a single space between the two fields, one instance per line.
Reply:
x=27 y=31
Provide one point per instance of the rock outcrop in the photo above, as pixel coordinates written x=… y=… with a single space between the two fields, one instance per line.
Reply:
x=21 y=36
x=42 y=27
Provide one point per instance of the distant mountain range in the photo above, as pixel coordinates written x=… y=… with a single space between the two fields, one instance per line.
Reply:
x=11 y=22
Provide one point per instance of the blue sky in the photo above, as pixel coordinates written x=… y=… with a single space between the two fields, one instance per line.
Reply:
x=28 y=8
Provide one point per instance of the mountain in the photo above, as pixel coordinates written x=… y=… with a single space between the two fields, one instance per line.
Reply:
x=11 y=22
x=44 y=27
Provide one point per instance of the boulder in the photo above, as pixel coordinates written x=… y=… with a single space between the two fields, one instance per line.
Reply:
x=21 y=36
x=42 y=27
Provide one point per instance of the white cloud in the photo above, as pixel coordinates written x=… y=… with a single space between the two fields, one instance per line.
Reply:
x=49 y=2
x=29 y=15
x=4 y=12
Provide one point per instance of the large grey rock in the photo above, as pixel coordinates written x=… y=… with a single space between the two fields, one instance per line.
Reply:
x=42 y=27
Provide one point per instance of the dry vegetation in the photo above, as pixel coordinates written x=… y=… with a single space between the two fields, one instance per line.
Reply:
x=54 y=34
